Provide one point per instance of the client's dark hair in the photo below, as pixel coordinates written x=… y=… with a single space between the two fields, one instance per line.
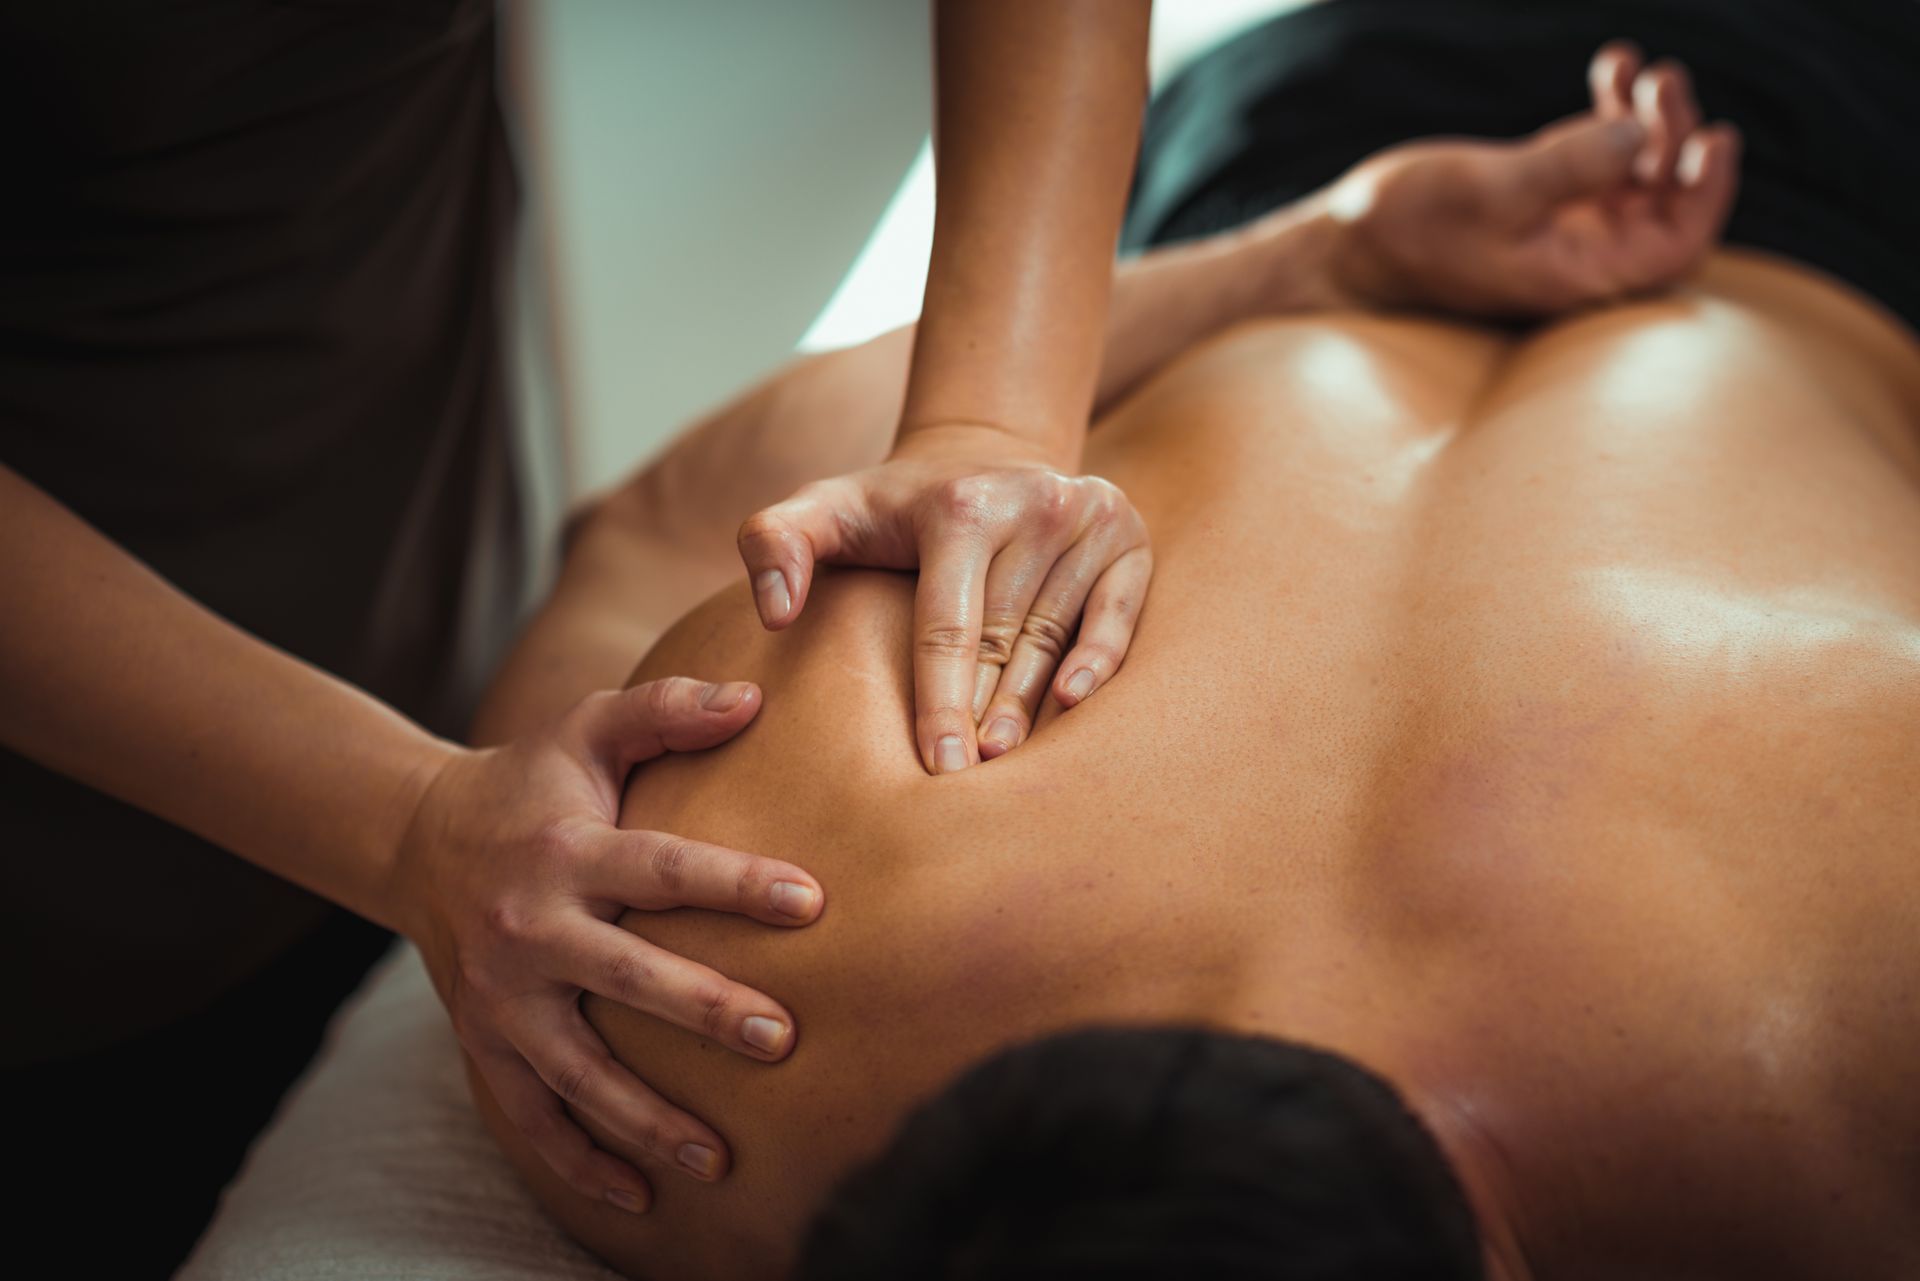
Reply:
x=1153 y=1153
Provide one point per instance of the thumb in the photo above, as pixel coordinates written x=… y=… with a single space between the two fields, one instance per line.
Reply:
x=675 y=714
x=1586 y=156
x=780 y=545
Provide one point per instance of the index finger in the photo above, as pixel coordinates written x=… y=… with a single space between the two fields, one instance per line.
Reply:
x=654 y=871
x=946 y=644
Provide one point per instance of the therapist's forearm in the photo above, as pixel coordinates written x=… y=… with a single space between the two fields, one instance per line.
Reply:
x=1037 y=119
x=111 y=676
x=837 y=411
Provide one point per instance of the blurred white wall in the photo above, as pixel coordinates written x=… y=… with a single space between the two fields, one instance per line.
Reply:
x=710 y=170
x=707 y=173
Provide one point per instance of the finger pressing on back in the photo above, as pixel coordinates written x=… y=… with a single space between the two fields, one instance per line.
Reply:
x=1044 y=636
x=675 y=714
x=535 y=1111
x=946 y=648
x=575 y=1064
x=611 y=962
x=781 y=544
x=654 y=871
x=1106 y=630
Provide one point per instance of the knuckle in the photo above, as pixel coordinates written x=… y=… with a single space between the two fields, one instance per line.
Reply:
x=996 y=642
x=966 y=500
x=749 y=884
x=1051 y=501
x=716 y=1008
x=570 y=1081
x=505 y=921
x=649 y=1136
x=944 y=641
x=662 y=698
x=1107 y=503
x=758 y=528
x=668 y=862
x=630 y=975
x=561 y=843
x=1044 y=634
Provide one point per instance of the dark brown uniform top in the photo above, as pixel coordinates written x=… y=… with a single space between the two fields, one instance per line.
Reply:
x=249 y=329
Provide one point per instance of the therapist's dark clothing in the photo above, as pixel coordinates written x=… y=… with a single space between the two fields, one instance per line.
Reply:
x=250 y=256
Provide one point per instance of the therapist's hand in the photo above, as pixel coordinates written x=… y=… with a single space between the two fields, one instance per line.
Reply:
x=510 y=879
x=1624 y=199
x=1012 y=555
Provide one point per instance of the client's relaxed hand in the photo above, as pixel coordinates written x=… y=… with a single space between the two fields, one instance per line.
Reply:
x=1623 y=199
x=510 y=879
x=1012 y=555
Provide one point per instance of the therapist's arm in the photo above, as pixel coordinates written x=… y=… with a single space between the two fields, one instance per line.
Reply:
x=1031 y=578
x=1037 y=121
x=504 y=865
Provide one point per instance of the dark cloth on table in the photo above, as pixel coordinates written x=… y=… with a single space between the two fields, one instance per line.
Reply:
x=1826 y=94
x=251 y=258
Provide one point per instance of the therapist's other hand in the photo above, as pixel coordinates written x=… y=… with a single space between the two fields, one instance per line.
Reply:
x=1626 y=198
x=1013 y=556
x=510 y=879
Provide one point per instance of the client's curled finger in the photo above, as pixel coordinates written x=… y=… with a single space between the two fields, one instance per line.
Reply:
x=1610 y=78
x=1663 y=101
x=1106 y=630
x=1708 y=173
x=535 y=1111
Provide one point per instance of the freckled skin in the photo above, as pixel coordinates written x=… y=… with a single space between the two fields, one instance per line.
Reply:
x=1535 y=719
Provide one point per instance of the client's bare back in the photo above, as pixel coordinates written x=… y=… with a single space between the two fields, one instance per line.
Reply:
x=1557 y=693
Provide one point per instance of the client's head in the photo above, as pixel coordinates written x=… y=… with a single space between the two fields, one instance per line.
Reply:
x=1153 y=1153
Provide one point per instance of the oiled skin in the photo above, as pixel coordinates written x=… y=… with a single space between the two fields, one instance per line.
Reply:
x=1534 y=717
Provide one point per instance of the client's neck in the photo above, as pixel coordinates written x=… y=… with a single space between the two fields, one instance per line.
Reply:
x=1481 y=1161
x=1459 y=1095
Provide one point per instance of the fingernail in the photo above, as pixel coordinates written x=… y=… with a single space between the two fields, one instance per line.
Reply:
x=1005 y=731
x=950 y=754
x=724 y=698
x=631 y=1202
x=771 y=589
x=792 y=899
x=1080 y=684
x=703 y=1161
x=764 y=1034
x=1692 y=163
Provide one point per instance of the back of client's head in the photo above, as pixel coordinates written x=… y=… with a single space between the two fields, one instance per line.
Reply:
x=1153 y=1153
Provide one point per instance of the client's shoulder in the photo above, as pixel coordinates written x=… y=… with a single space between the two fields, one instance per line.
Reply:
x=838 y=681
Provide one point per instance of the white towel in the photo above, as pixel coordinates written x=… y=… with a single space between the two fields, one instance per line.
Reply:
x=377 y=1165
